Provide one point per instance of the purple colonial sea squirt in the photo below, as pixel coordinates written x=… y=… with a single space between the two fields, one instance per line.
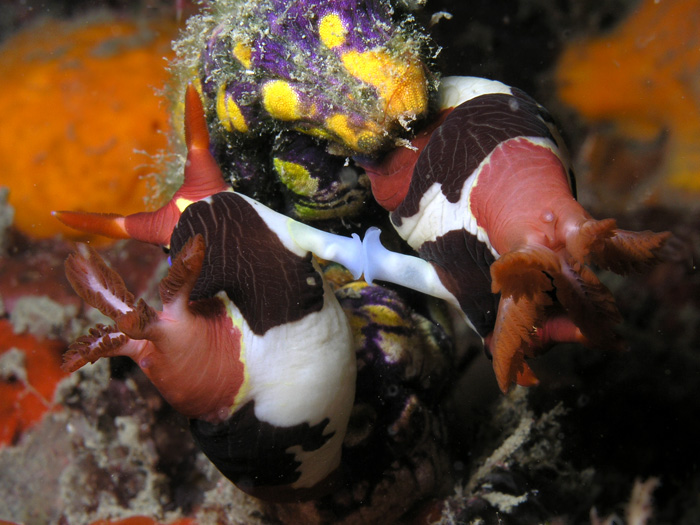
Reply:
x=352 y=74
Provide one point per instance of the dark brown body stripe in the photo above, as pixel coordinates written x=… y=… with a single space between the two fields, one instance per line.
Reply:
x=269 y=284
x=467 y=136
x=462 y=262
x=252 y=453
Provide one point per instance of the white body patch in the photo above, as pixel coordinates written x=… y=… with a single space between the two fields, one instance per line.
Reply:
x=437 y=216
x=303 y=372
x=454 y=91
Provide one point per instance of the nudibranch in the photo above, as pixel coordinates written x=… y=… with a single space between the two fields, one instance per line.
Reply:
x=487 y=197
x=251 y=344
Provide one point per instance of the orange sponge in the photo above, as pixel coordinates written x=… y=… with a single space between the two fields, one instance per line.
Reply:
x=81 y=117
x=26 y=393
x=643 y=79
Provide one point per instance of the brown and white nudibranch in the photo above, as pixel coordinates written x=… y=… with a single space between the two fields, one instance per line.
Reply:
x=487 y=197
x=251 y=345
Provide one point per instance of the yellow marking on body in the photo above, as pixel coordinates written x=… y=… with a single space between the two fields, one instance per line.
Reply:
x=296 y=177
x=238 y=322
x=354 y=289
x=332 y=31
x=182 y=203
x=243 y=52
x=357 y=326
x=281 y=101
x=401 y=83
x=229 y=113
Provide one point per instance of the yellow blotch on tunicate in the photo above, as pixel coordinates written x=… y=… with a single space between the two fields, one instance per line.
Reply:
x=296 y=177
x=281 y=101
x=332 y=31
x=360 y=139
x=243 y=53
x=401 y=83
x=319 y=133
x=383 y=315
x=229 y=113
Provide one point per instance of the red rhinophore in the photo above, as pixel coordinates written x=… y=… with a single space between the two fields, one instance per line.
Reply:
x=203 y=178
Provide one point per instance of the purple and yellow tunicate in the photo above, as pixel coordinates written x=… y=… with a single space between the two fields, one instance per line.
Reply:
x=340 y=70
x=352 y=75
